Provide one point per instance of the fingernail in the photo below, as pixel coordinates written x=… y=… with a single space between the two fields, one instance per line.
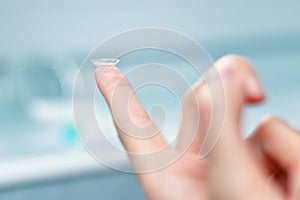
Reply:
x=253 y=87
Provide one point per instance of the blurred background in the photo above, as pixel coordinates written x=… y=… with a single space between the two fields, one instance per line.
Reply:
x=43 y=43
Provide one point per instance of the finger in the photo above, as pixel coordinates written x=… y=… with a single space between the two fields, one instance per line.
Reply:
x=266 y=163
x=131 y=119
x=241 y=87
x=197 y=104
x=230 y=159
x=279 y=142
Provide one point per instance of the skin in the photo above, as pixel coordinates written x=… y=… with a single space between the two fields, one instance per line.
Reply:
x=265 y=166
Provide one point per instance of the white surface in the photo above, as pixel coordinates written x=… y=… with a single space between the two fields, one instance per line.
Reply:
x=48 y=168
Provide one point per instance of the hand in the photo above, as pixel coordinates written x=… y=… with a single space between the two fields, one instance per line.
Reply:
x=259 y=168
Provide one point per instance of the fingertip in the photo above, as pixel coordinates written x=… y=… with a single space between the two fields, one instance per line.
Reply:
x=241 y=66
x=107 y=79
x=254 y=90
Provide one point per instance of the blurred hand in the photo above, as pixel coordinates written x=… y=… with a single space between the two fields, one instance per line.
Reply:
x=266 y=166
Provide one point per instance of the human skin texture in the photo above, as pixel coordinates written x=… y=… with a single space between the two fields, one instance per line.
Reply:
x=265 y=166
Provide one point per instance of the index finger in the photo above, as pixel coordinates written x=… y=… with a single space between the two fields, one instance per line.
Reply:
x=129 y=115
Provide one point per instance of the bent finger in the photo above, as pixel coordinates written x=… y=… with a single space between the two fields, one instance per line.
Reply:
x=198 y=100
x=279 y=142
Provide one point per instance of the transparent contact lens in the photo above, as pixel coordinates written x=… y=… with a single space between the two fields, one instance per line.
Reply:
x=102 y=62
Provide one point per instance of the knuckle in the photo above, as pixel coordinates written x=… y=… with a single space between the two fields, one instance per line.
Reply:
x=235 y=62
x=232 y=58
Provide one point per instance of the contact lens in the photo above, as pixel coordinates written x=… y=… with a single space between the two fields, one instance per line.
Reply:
x=105 y=61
